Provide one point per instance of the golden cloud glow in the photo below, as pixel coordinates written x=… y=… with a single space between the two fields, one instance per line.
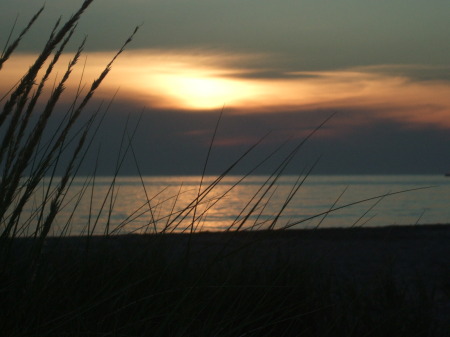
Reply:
x=203 y=81
x=181 y=81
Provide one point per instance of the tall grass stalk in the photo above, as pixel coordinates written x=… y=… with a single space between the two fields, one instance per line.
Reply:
x=23 y=158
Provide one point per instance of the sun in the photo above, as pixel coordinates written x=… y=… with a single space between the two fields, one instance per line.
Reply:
x=206 y=92
x=186 y=82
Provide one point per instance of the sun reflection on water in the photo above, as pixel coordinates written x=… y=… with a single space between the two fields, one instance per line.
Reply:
x=222 y=208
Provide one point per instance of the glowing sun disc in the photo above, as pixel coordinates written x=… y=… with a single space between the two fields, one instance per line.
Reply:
x=204 y=92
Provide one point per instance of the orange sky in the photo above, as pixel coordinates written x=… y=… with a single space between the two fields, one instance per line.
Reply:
x=194 y=81
x=279 y=67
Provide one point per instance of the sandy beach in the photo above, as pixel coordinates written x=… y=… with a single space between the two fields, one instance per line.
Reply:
x=412 y=255
x=407 y=252
x=413 y=259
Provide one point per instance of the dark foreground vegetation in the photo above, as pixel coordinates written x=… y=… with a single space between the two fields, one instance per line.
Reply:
x=239 y=283
x=226 y=284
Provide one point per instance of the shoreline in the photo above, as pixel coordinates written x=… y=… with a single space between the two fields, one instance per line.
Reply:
x=389 y=232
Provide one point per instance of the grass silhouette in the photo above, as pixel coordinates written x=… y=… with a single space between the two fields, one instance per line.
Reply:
x=166 y=283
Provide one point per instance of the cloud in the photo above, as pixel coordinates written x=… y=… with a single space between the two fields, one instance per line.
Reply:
x=186 y=81
x=278 y=68
x=197 y=81
x=387 y=117
x=176 y=142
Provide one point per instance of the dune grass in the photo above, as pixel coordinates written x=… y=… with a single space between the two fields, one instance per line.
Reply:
x=143 y=285
x=166 y=283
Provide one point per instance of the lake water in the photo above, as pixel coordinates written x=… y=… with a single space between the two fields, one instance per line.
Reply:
x=166 y=203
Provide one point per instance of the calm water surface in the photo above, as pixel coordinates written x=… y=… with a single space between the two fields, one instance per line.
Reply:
x=162 y=203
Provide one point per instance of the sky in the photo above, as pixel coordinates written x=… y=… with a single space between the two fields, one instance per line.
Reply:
x=276 y=69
